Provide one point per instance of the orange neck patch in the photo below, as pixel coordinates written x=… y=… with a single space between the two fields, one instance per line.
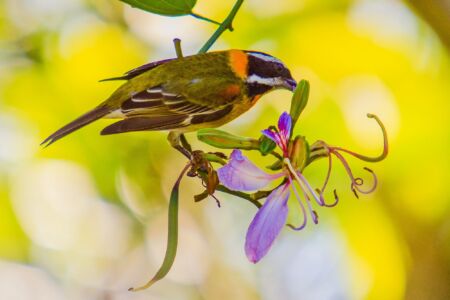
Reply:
x=239 y=62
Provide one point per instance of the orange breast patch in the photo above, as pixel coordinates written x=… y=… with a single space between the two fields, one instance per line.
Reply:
x=231 y=92
x=239 y=63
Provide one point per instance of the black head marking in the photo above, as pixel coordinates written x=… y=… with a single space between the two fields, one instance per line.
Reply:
x=255 y=88
x=266 y=66
x=266 y=72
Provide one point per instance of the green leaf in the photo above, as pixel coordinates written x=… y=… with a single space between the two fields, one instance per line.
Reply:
x=172 y=236
x=299 y=100
x=224 y=140
x=164 y=7
x=266 y=145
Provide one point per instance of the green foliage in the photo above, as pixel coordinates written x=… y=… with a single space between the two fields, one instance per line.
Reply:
x=164 y=7
x=266 y=145
x=172 y=235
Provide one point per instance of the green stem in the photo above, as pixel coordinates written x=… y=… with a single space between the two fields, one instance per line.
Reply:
x=226 y=24
x=204 y=18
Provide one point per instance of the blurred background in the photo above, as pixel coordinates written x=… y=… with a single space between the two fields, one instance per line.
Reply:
x=86 y=217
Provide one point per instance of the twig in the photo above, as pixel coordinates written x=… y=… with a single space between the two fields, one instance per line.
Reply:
x=226 y=24
x=253 y=198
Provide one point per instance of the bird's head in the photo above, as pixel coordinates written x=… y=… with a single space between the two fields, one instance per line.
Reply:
x=266 y=72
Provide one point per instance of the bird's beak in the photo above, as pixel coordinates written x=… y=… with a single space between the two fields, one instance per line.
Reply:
x=290 y=84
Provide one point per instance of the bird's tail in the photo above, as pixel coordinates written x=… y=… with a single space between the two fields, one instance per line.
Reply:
x=85 y=119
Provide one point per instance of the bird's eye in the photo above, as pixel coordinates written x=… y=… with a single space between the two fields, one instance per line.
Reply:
x=279 y=68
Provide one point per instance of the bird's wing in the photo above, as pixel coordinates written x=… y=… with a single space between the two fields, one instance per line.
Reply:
x=157 y=101
x=157 y=109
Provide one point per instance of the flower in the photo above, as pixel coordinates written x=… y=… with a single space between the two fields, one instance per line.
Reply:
x=240 y=174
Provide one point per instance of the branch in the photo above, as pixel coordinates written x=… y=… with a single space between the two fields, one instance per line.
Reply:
x=253 y=198
x=226 y=24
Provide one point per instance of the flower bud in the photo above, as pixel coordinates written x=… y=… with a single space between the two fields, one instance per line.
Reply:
x=299 y=152
x=299 y=100
x=224 y=140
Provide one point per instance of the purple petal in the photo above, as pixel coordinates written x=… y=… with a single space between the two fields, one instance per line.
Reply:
x=240 y=174
x=274 y=136
x=267 y=224
x=284 y=125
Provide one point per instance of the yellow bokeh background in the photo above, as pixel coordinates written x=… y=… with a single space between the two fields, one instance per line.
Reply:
x=86 y=217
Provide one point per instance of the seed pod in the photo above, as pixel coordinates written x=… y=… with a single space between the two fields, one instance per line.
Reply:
x=299 y=152
x=224 y=140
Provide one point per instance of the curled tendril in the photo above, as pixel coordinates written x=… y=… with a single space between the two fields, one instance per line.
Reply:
x=374 y=185
x=313 y=213
x=356 y=182
x=327 y=178
x=322 y=149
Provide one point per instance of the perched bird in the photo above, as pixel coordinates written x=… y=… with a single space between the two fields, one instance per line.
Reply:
x=188 y=93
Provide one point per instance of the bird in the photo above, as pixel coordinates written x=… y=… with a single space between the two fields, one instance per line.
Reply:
x=187 y=93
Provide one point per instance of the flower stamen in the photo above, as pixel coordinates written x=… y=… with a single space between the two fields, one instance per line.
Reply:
x=378 y=158
x=312 y=212
x=302 y=207
x=374 y=185
x=302 y=181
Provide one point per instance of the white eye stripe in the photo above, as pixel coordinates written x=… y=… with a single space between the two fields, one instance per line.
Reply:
x=265 y=57
x=267 y=81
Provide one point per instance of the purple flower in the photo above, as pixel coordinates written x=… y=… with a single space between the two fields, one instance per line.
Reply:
x=267 y=224
x=240 y=174
x=281 y=137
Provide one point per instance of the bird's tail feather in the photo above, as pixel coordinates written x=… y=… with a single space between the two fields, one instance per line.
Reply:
x=85 y=119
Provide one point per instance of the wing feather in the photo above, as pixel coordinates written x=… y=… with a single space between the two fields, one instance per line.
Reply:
x=157 y=108
x=144 y=123
x=157 y=101
x=164 y=122
x=139 y=70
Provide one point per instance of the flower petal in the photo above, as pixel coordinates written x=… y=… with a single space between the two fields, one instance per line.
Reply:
x=240 y=174
x=284 y=125
x=267 y=224
x=274 y=136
